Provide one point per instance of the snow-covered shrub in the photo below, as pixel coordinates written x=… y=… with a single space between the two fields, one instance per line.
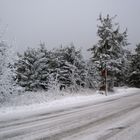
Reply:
x=7 y=84
x=92 y=75
x=61 y=68
x=69 y=68
x=134 y=76
x=32 y=70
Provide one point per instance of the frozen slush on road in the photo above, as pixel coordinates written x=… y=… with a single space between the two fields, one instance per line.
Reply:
x=91 y=117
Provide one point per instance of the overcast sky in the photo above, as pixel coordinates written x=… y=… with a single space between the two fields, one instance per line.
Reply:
x=59 y=22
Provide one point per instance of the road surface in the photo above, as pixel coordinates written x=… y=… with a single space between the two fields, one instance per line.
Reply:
x=111 y=119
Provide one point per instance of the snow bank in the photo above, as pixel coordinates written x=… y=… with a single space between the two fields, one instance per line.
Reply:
x=48 y=102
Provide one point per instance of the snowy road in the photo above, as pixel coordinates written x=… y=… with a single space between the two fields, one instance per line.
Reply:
x=112 y=119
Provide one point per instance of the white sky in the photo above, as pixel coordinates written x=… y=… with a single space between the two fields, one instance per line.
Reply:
x=59 y=22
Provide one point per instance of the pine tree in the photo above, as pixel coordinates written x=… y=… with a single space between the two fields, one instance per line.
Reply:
x=109 y=52
x=7 y=84
x=69 y=68
x=32 y=70
x=134 y=77
x=92 y=75
x=123 y=74
x=3 y=48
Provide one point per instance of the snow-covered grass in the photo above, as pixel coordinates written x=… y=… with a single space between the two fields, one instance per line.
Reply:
x=39 y=102
x=29 y=98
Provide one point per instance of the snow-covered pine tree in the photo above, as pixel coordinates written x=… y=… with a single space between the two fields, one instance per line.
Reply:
x=123 y=74
x=69 y=67
x=92 y=75
x=54 y=68
x=24 y=68
x=6 y=75
x=32 y=70
x=3 y=48
x=108 y=52
x=42 y=68
x=134 y=77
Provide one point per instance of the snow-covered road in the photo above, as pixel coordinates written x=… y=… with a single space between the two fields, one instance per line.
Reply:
x=112 y=119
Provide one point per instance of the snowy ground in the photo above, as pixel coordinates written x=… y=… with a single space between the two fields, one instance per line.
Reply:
x=75 y=117
x=38 y=102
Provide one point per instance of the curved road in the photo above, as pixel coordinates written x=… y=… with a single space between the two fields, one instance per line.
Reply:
x=111 y=119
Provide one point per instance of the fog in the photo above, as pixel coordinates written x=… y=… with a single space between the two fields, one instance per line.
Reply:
x=55 y=22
